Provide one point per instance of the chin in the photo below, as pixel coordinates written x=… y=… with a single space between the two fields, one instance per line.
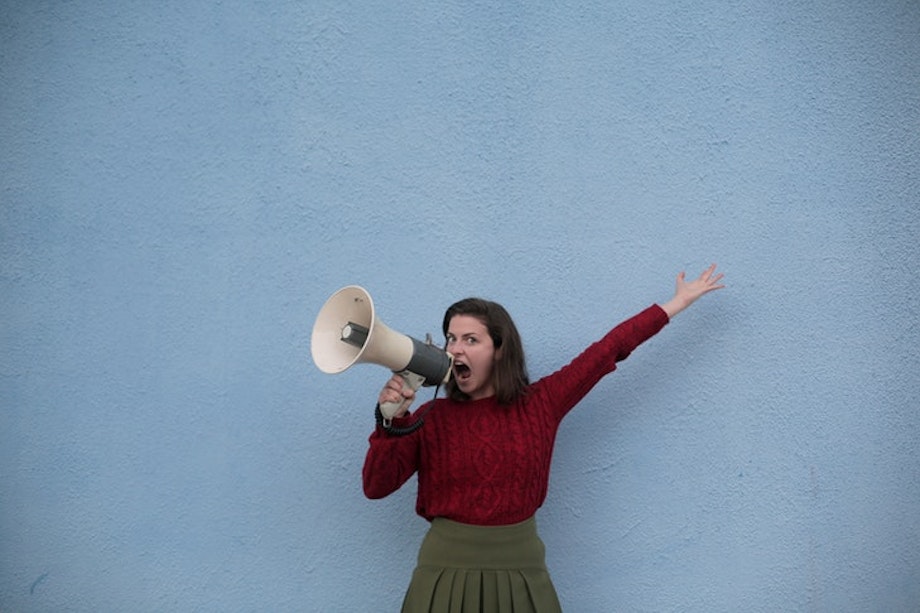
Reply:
x=469 y=391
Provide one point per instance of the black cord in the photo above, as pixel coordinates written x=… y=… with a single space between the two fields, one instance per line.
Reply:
x=389 y=428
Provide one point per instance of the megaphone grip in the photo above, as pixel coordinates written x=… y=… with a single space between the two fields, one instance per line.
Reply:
x=411 y=381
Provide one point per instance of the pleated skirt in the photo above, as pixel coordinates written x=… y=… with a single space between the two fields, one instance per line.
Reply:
x=481 y=569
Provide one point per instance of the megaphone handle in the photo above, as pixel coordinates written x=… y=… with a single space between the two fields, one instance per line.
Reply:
x=411 y=381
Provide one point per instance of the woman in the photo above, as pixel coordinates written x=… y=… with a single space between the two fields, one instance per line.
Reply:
x=483 y=454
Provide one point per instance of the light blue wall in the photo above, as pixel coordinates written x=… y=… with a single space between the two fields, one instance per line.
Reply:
x=184 y=183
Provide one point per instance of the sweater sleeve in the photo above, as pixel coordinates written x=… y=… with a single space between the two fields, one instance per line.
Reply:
x=566 y=387
x=390 y=460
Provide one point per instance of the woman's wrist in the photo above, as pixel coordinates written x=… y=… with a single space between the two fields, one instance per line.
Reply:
x=674 y=306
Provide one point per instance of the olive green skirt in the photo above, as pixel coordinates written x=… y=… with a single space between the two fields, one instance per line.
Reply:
x=482 y=569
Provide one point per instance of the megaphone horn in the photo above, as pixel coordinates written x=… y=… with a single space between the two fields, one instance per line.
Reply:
x=347 y=332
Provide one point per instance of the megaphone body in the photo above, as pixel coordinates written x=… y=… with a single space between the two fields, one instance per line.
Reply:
x=347 y=332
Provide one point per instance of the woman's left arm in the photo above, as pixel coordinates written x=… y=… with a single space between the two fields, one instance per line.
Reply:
x=687 y=292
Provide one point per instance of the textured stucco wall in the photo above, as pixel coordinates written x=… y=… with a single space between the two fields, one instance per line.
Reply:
x=182 y=185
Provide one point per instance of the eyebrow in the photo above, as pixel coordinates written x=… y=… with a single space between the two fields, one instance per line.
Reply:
x=465 y=335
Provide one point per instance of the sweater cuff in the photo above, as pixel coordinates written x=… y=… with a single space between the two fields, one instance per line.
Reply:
x=648 y=323
x=396 y=422
x=661 y=313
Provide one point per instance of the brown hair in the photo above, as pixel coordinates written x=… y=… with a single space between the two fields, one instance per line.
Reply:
x=509 y=373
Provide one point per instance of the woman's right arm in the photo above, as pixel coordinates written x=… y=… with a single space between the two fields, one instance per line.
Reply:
x=391 y=459
x=389 y=462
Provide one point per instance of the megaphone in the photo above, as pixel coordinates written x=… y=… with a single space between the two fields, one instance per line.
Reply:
x=347 y=332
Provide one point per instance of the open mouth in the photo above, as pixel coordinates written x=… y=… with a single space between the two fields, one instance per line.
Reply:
x=461 y=371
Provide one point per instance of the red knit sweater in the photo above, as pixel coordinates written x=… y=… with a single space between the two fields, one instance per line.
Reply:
x=483 y=463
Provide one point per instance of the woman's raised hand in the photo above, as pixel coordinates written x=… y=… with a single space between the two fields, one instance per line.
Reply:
x=687 y=292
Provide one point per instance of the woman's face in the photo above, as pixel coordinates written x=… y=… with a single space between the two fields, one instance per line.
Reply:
x=469 y=342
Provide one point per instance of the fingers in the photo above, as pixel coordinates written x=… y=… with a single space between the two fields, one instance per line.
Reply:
x=395 y=390
x=707 y=276
x=392 y=391
x=707 y=281
x=689 y=291
x=711 y=282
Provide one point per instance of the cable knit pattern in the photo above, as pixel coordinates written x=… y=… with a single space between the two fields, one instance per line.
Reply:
x=482 y=463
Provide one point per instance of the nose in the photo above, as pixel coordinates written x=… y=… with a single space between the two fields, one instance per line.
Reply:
x=454 y=348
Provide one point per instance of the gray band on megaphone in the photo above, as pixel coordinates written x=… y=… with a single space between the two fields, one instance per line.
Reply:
x=430 y=362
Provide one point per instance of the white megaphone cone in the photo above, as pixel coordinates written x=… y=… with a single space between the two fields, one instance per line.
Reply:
x=346 y=332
